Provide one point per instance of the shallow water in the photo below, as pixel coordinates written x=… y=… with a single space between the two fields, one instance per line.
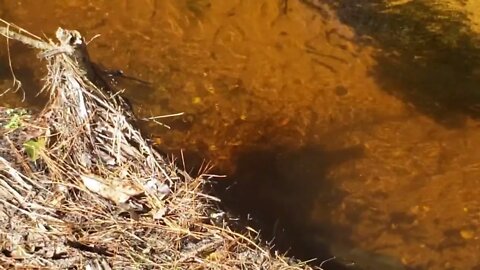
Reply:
x=346 y=127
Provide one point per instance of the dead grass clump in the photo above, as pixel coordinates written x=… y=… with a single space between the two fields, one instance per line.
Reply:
x=81 y=188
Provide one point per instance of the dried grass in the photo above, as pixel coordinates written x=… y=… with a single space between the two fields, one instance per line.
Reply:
x=99 y=196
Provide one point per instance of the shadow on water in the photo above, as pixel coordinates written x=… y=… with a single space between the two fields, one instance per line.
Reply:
x=429 y=55
x=280 y=190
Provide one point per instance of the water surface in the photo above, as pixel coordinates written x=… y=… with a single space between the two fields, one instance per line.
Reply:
x=346 y=127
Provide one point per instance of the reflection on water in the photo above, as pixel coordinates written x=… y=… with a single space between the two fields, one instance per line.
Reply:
x=348 y=128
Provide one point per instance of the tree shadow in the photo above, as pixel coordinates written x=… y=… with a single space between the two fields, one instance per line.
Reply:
x=279 y=189
x=428 y=56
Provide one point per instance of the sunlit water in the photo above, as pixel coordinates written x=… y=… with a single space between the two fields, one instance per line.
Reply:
x=346 y=127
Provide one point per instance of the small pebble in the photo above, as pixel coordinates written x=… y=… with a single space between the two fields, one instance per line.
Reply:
x=341 y=91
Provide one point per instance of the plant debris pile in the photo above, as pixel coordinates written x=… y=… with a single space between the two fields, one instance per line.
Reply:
x=81 y=188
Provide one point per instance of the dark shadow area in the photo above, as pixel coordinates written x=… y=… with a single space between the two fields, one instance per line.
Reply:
x=428 y=56
x=276 y=192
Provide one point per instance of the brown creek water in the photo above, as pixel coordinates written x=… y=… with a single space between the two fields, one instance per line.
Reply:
x=347 y=128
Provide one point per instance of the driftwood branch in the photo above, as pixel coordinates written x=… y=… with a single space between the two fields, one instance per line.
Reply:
x=36 y=43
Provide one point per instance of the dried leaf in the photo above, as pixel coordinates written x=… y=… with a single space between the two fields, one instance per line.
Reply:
x=467 y=234
x=160 y=213
x=19 y=252
x=117 y=193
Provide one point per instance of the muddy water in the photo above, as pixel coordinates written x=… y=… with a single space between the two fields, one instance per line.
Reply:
x=347 y=128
